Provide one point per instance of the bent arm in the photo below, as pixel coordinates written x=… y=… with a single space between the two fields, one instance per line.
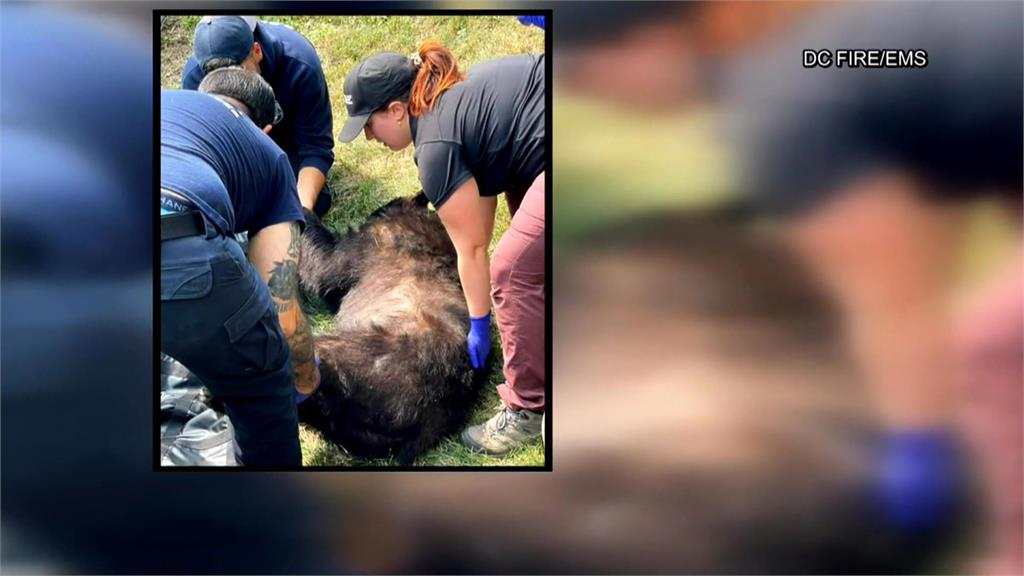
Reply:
x=314 y=136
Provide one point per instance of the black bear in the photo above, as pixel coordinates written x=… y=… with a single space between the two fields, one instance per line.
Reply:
x=396 y=376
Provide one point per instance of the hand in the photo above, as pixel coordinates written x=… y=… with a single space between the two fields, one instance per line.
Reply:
x=919 y=479
x=479 y=340
x=299 y=396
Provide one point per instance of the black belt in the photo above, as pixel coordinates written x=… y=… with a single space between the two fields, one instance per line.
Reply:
x=181 y=225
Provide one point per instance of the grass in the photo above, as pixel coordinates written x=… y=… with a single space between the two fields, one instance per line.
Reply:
x=366 y=175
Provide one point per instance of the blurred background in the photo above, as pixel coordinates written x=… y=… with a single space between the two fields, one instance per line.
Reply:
x=787 y=311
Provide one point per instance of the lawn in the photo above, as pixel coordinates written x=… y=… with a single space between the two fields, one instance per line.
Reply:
x=366 y=175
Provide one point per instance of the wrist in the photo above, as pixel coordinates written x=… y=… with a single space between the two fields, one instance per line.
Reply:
x=480 y=321
x=920 y=477
x=299 y=396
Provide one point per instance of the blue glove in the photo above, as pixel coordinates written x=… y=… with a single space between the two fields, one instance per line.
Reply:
x=479 y=340
x=919 y=479
x=299 y=396
x=537 y=21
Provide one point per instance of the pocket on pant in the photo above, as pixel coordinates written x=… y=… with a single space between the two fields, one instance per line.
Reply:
x=255 y=335
x=186 y=281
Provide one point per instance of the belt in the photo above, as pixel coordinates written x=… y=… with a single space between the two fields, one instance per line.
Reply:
x=181 y=225
x=187 y=221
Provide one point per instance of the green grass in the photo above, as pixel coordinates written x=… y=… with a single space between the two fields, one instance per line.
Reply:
x=366 y=175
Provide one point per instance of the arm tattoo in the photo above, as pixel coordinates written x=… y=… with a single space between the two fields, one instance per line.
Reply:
x=295 y=245
x=283 y=283
x=282 y=280
x=301 y=343
x=284 y=277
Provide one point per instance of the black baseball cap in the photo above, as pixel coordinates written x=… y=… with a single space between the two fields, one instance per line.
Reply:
x=376 y=81
x=223 y=37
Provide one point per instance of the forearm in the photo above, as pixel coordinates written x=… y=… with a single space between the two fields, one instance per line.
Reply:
x=474 y=272
x=275 y=251
x=299 y=335
x=310 y=181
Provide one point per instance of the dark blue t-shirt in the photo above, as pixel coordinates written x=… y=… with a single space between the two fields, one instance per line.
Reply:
x=292 y=67
x=216 y=157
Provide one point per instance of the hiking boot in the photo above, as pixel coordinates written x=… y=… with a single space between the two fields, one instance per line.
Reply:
x=503 y=432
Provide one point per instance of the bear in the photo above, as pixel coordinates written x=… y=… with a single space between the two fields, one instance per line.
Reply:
x=395 y=374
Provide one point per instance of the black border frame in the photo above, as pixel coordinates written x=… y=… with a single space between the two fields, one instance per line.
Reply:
x=330 y=10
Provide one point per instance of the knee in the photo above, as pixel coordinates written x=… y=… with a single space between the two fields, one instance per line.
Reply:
x=501 y=270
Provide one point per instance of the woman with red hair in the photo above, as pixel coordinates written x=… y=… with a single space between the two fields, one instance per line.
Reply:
x=476 y=135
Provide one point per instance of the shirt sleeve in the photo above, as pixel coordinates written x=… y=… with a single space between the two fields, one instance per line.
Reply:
x=281 y=197
x=192 y=75
x=442 y=169
x=314 y=140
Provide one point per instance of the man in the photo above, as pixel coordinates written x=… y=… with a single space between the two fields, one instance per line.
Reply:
x=235 y=329
x=286 y=60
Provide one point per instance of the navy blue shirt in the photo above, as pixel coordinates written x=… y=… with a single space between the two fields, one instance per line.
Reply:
x=490 y=127
x=292 y=67
x=216 y=157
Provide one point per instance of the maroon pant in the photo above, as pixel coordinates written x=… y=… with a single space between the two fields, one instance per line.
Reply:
x=517 y=288
x=990 y=341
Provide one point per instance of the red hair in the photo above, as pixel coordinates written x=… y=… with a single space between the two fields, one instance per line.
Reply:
x=438 y=72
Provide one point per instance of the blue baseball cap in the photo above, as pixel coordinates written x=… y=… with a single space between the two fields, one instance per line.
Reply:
x=223 y=37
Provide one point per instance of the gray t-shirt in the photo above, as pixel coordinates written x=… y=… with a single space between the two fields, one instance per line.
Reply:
x=489 y=126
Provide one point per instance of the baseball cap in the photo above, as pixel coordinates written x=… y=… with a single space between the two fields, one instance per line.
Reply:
x=376 y=81
x=223 y=37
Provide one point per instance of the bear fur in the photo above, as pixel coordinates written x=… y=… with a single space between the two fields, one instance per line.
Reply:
x=395 y=373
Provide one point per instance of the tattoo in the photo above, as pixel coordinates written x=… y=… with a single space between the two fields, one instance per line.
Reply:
x=301 y=343
x=294 y=246
x=283 y=283
x=283 y=279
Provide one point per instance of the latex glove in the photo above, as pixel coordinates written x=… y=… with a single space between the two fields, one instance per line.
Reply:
x=299 y=396
x=479 y=340
x=537 y=21
x=919 y=479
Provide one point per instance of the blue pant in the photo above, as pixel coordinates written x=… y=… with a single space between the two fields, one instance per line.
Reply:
x=217 y=318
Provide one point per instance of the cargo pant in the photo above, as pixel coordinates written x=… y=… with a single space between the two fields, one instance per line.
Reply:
x=217 y=318
x=517 y=289
x=990 y=343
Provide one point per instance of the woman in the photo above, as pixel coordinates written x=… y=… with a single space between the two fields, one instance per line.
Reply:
x=476 y=136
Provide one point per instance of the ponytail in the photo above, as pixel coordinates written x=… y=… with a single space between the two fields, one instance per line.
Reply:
x=436 y=72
